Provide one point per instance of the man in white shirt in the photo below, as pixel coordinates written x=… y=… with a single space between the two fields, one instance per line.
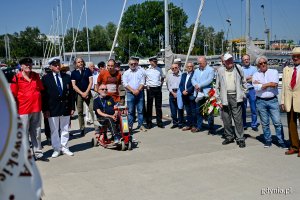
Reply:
x=133 y=81
x=265 y=83
x=154 y=82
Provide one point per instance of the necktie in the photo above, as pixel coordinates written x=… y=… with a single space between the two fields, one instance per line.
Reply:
x=58 y=85
x=294 y=76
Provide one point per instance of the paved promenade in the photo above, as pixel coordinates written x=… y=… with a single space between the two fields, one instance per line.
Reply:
x=169 y=164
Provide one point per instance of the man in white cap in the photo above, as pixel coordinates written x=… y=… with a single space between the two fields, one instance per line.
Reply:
x=154 y=82
x=290 y=99
x=58 y=106
x=230 y=86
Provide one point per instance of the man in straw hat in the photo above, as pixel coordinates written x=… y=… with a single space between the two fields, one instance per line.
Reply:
x=290 y=99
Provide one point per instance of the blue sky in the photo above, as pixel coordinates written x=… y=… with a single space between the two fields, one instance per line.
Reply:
x=281 y=15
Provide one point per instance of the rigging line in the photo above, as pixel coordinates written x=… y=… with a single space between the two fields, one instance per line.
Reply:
x=63 y=36
x=286 y=22
x=74 y=41
x=47 y=43
x=221 y=16
x=226 y=11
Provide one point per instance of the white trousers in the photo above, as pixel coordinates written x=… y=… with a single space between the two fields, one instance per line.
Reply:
x=32 y=127
x=62 y=123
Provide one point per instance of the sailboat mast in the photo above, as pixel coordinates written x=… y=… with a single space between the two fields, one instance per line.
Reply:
x=87 y=31
x=117 y=31
x=247 y=23
x=167 y=31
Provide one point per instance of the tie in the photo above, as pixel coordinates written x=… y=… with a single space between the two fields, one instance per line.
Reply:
x=58 y=85
x=294 y=76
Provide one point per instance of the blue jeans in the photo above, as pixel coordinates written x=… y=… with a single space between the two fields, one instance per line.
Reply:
x=176 y=113
x=267 y=109
x=252 y=99
x=200 y=118
x=132 y=103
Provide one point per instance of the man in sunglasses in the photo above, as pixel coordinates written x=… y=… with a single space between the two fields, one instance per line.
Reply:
x=173 y=81
x=58 y=106
x=265 y=83
x=106 y=115
x=290 y=100
x=133 y=81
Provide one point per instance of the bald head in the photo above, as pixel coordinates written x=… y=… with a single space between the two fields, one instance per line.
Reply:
x=202 y=62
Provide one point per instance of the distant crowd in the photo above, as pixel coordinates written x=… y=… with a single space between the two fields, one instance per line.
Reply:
x=194 y=96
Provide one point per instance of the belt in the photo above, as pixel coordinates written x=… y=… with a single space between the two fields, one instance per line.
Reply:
x=267 y=99
x=251 y=88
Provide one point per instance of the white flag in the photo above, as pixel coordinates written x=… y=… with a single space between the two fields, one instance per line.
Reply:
x=19 y=176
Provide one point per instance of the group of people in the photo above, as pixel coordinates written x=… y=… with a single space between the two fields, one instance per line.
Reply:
x=56 y=94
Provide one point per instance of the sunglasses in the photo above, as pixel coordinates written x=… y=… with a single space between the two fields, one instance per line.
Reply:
x=262 y=63
x=103 y=89
x=296 y=56
x=132 y=64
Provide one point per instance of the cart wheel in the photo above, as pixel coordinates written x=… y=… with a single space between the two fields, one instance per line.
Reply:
x=94 y=142
x=123 y=146
x=129 y=146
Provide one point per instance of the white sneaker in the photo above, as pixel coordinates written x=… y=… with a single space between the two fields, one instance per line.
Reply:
x=68 y=152
x=55 y=154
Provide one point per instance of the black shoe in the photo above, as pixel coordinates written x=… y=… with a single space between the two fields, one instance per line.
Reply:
x=160 y=126
x=245 y=127
x=174 y=126
x=82 y=133
x=228 y=141
x=42 y=159
x=49 y=141
x=180 y=126
x=242 y=144
x=149 y=125
x=255 y=129
x=211 y=132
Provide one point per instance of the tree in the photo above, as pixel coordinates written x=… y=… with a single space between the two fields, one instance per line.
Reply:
x=143 y=25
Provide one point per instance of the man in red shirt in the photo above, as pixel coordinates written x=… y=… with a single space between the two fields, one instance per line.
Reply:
x=26 y=87
x=112 y=79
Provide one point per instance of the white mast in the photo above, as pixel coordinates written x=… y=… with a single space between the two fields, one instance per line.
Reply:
x=72 y=21
x=87 y=31
x=247 y=24
x=194 y=32
x=167 y=32
x=117 y=31
x=62 y=32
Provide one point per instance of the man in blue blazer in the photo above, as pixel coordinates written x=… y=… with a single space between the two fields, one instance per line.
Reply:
x=202 y=81
x=57 y=105
x=187 y=90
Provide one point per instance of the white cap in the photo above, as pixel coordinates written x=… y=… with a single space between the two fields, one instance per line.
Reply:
x=177 y=60
x=227 y=56
x=53 y=60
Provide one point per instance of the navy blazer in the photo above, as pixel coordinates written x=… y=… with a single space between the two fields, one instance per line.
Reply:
x=51 y=100
x=189 y=85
